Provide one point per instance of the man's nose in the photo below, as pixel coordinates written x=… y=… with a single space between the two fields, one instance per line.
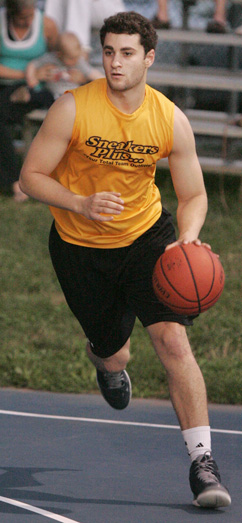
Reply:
x=116 y=62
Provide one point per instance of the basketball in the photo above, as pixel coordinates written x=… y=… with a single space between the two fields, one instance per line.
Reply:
x=188 y=278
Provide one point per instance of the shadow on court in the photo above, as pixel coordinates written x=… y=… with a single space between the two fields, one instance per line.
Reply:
x=73 y=456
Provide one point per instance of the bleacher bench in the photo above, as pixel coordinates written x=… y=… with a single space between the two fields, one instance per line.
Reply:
x=206 y=123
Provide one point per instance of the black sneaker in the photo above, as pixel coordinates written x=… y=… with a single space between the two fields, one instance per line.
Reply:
x=205 y=483
x=115 y=388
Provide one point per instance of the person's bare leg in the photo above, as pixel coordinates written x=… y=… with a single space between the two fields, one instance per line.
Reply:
x=162 y=11
x=186 y=383
x=218 y=24
x=220 y=11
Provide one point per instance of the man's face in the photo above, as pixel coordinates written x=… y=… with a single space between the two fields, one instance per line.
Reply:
x=124 y=61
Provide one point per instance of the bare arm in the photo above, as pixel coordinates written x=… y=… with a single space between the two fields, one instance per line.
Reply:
x=95 y=74
x=31 y=75
x=187 y=180
x=11 y=74
x=41 y=73
x=46 y=151
x=51 y=32
x=79 y=77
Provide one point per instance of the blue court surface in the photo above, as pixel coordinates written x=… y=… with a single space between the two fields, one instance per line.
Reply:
x=72 y=459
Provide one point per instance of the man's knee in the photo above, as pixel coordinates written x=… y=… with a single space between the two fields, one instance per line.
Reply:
x=170 y=339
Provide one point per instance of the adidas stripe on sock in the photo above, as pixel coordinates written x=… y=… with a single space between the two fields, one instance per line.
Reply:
x=197 y=441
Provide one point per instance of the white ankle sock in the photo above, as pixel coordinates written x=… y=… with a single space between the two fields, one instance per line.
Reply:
x=197 y=441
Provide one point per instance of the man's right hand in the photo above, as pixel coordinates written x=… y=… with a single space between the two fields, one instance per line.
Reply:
x=99 y=205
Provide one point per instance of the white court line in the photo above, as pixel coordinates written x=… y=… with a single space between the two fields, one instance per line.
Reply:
x=37 y=510
x=107 y=421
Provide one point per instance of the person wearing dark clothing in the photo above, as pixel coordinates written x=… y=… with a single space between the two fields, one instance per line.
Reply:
x=25 y=34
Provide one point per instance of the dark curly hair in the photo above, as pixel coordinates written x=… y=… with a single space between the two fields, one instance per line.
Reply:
x=131 y=23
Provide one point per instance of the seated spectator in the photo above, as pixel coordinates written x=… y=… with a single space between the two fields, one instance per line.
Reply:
x=25 y=34
x=67 y=67
x=79 y=16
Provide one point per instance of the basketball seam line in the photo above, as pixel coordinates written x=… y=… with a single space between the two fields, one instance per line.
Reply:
x=199 y=300
x=193 y=278
x=174 y=288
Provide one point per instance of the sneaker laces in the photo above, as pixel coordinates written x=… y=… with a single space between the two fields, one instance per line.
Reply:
x=114 y=380
x=206 y=469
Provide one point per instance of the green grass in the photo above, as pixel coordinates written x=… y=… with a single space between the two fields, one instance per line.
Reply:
x=42 y=345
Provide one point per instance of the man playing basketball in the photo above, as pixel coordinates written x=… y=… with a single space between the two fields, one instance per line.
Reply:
x=93 y=162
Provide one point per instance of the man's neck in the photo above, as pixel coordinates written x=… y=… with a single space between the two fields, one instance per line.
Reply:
x=127 y=101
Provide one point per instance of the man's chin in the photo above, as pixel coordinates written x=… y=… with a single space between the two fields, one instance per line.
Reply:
x=116 y=85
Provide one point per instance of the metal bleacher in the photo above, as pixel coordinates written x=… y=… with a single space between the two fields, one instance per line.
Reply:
x=190 y=78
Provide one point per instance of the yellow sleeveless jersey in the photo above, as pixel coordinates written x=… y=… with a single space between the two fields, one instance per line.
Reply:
x=113 y=151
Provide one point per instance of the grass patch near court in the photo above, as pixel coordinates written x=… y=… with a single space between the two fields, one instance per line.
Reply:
x=42 y=346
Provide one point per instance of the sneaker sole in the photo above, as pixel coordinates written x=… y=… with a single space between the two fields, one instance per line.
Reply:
x=213 y=498
x=130 y=387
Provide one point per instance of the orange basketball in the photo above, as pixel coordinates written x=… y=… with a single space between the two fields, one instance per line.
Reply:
x=188 y=278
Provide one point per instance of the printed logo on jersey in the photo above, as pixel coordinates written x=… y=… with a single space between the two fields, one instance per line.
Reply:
x=109 y=151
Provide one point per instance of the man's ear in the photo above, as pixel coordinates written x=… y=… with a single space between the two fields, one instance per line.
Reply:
x=150 y=57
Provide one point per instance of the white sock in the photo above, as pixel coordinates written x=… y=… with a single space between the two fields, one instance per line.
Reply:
x=197 y=441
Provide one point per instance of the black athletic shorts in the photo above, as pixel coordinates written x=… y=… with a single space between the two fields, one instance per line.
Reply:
x=106 y=289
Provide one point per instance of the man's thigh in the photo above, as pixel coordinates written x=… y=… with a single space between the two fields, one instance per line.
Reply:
x=95 y=298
